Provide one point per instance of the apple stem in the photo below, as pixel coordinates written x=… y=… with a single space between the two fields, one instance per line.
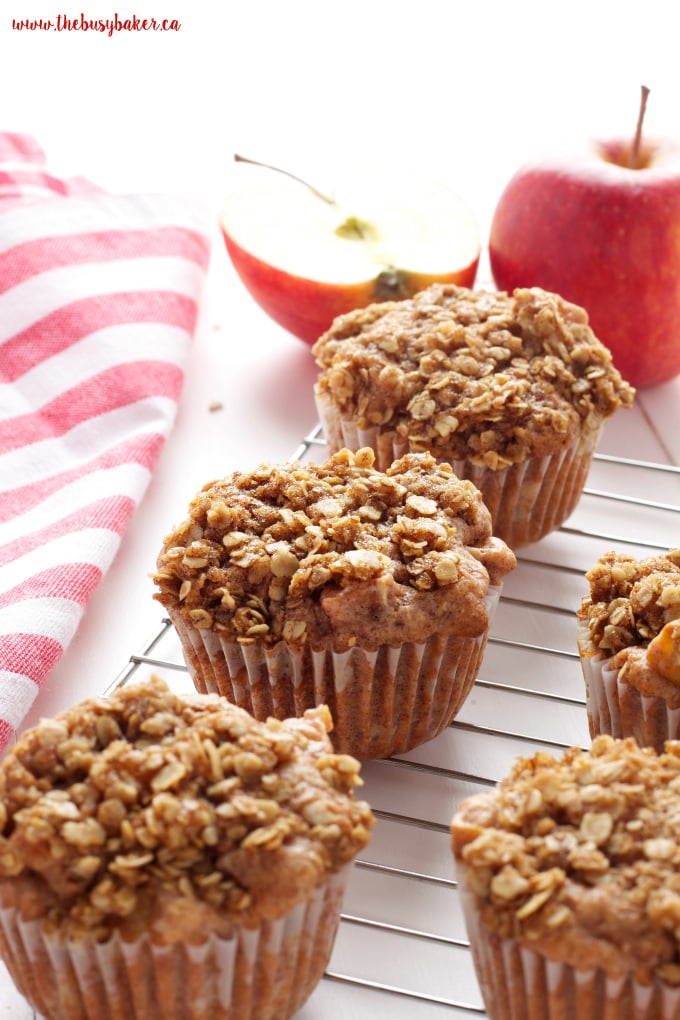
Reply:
x=635 y=150
x=278 y=170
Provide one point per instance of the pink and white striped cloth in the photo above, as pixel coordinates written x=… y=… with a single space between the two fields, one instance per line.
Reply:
x=99 y=297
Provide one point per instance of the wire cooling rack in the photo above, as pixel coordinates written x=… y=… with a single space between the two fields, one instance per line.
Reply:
x=401 y=950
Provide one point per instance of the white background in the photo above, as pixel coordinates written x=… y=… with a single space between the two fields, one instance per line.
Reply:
x=465 y=91
x=462 y=91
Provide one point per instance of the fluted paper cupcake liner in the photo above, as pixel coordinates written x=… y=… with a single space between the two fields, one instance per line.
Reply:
x=519 y=983
x=263 y=973
x=383 y=702
x=618 y=708
x=526 y=501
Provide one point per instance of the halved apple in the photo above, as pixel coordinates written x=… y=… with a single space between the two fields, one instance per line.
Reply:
x=306 y=257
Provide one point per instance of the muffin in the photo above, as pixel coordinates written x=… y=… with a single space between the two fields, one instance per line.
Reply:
x=162 y=858
x=628 y=635
x=368 y=591
x=511 y=390
x=570 y=881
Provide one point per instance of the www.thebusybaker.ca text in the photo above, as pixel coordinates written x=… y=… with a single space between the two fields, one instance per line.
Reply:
x=62 y=23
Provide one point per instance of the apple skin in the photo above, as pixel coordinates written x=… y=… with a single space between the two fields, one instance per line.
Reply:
x=582 y=224
x=307 y=308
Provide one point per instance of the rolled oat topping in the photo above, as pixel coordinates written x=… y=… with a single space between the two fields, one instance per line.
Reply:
x=579 y=857
x=633 y=603
x=286 y=552
x=477 y=375
x=145 y=811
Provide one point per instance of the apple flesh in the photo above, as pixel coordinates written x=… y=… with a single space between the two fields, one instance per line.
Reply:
x=585 y=225
x=306 y=259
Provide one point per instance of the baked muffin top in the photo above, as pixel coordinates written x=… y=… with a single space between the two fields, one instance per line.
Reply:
x=477 y=375
x=337 y=551
x=147 y=812
x=579 y=857
x=632 y=615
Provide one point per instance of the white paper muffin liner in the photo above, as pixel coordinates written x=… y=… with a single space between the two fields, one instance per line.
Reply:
x=619 y=709
x=383 y=702
x=518 y=983
x=526 y=500
x=264 y=973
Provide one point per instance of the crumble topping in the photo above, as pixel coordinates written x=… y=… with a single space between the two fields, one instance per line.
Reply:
x=477 y=375
x=147 y=811
x=580 y=857
x=632 y=613
x=287 y=552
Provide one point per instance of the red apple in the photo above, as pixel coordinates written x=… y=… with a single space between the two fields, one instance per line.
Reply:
x=306 y=258
x=586 y=225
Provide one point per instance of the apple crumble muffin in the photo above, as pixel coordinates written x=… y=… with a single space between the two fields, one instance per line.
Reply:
x=570 y=871
x=181 y=829
x=370 y=591
x=512 y=390
x=629 y=646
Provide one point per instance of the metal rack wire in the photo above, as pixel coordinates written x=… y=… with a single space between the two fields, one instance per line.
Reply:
x=402 y=949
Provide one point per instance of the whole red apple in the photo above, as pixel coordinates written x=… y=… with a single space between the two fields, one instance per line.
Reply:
x=306 y=258
x=585 y=224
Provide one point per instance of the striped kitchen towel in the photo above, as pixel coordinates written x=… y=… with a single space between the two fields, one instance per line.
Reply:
x=99 y=297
